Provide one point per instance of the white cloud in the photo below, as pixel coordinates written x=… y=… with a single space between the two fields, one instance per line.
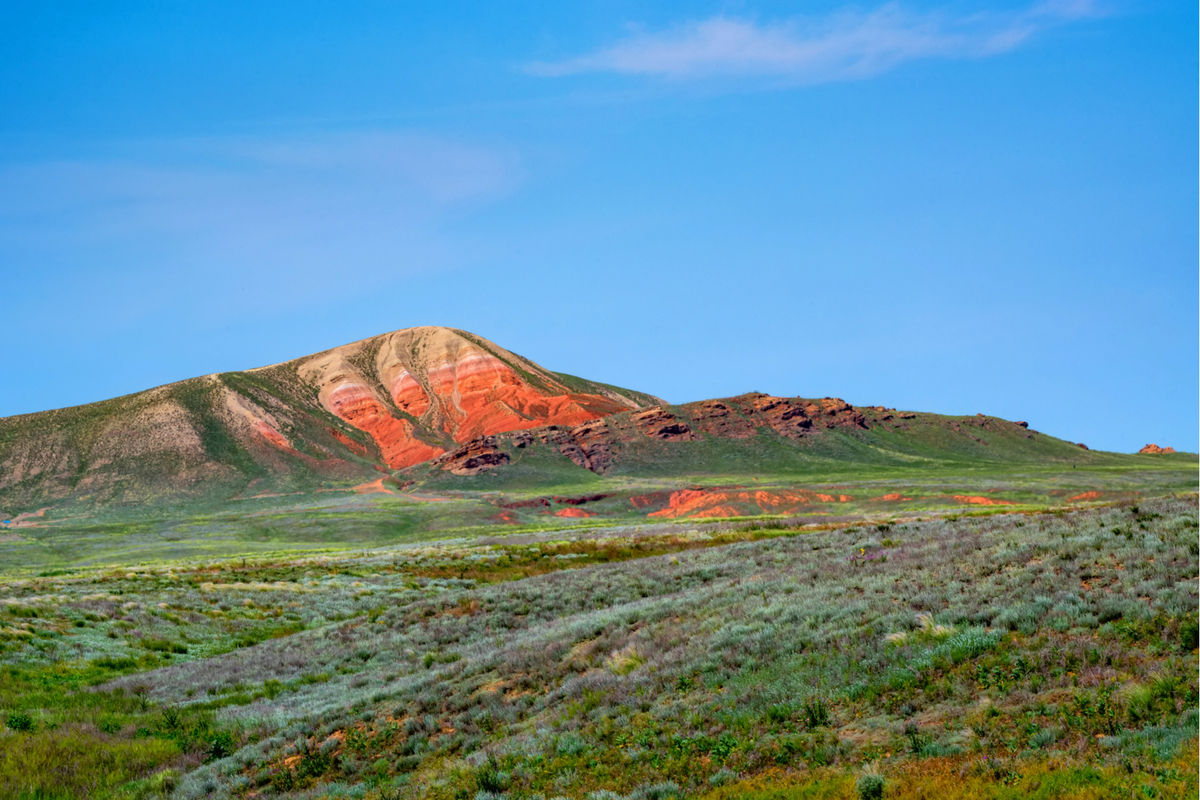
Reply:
x=846 y=45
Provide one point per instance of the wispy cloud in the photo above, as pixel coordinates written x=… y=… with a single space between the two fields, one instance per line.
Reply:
x=846 y=45
x=222 y=223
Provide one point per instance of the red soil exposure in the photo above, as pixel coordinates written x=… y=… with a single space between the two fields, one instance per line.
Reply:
x=893 y=497
x=278 y=440
x=28 y=515
x=480 y=395
x=573 y=512
x=1093 y=495
x=1155 y=450
x=274 y=437
x=651 y=499
x=710 y=503
x=373 y=487
x=354 y=446
x=981 y=501
x=358 y=406
x=715 y=511
x=408 y=395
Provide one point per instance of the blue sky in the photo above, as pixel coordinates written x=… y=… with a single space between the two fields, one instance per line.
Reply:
x=953 y=206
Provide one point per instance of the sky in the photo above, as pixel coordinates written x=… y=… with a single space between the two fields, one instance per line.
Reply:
x=954 y=207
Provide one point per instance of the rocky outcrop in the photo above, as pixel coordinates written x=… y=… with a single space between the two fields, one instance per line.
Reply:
x=658 y=423
x=719 y=418
x=1155 y=450
x=741 y=417
x=832 y=412
x=589 y=445
x=474 y=457
x=596 y=445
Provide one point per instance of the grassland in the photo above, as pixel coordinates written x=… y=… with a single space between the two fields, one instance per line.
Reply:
x=450 y=508
x=411 y=645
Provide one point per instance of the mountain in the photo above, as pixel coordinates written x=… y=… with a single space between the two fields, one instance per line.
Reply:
x=752 y=435
x=339 y=416
x=440 y=409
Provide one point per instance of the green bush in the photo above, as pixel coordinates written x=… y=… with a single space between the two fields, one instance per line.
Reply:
x=19 y=721
x=816 y=715
x=490 y=778
x=870 y=787
x=220 y=745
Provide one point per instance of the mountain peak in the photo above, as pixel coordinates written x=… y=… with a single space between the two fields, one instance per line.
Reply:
x=416 y=390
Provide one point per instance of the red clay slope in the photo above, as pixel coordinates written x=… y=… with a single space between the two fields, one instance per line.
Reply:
x=418 y=391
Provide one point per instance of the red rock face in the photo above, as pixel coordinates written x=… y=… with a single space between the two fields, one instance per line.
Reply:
x=274 y=437
x=480 y=395
x=740 y=417
x=716 y=418
x=359 y=407
x=657 y=423
x=1155 y=450
x=474 y=457
x=408 y=395
x=421 y=392
x=352 y=445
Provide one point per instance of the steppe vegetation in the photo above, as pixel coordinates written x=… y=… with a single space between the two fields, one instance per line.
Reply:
x=1047 y=653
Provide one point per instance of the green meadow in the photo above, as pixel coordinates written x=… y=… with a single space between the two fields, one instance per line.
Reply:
x=464 y=641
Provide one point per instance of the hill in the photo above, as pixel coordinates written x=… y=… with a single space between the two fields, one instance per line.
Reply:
x=333 y=418
x=434 y=410
x=754 y=435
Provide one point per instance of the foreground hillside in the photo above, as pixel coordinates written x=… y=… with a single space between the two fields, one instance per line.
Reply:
x=1005 y=655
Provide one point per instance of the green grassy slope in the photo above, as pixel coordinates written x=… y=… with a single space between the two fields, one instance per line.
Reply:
x=1043 y=655
x=174 y=444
